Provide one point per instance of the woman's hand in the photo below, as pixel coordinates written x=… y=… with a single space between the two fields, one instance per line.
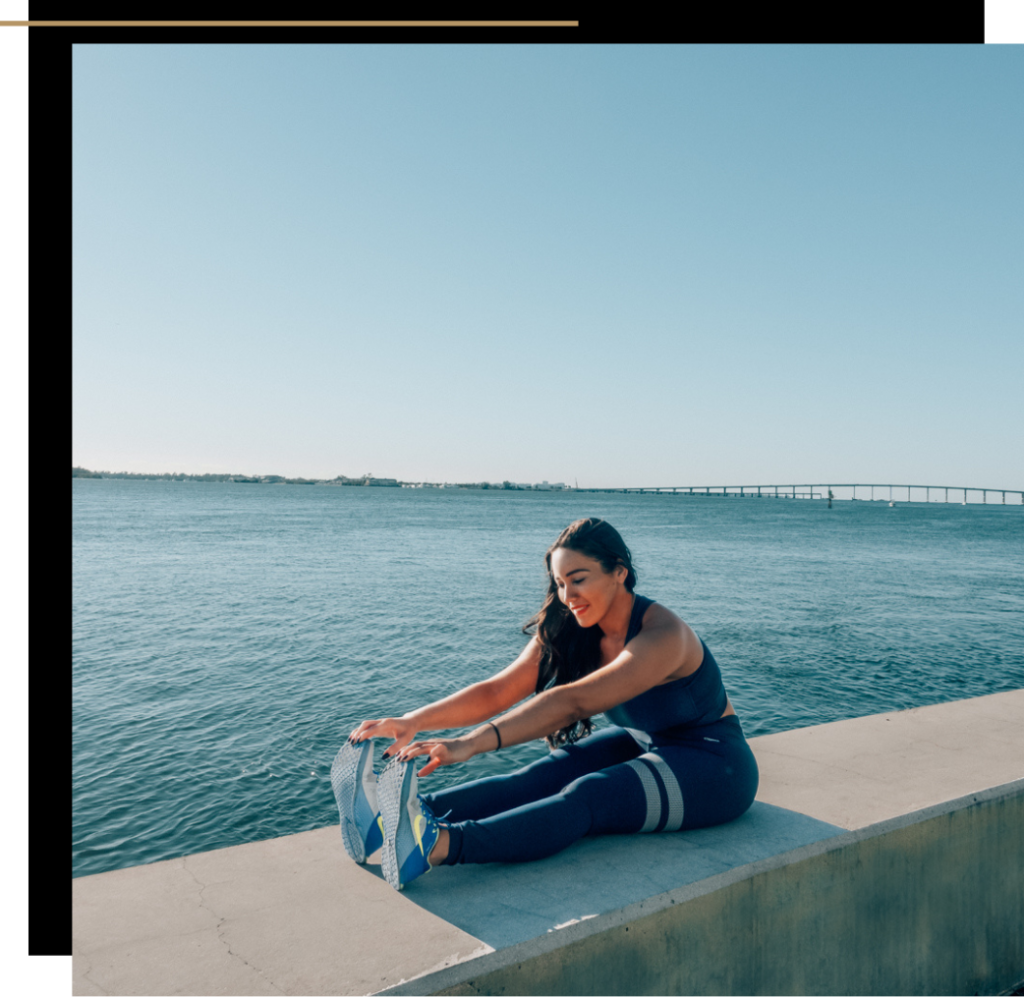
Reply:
x=400 y=728
x=442 y=751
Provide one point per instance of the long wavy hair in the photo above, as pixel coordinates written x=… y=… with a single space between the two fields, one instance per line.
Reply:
x=569 y=651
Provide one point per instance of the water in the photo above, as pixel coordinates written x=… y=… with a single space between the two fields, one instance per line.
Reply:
x=226 y=637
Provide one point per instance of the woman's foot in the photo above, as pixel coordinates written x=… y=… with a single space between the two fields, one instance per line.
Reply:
x=411 y=831
x=355 y=790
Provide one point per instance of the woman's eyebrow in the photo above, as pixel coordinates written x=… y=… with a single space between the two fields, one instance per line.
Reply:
x=573 y=572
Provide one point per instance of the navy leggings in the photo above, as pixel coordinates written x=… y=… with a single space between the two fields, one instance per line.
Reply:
x=603 y=784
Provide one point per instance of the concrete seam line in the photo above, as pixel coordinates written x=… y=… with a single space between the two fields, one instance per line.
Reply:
x=430 y=982
x=1014 y=788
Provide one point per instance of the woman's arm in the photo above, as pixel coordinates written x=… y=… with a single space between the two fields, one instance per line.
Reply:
x=485 y=699
x=469 y=706
x=650 y=658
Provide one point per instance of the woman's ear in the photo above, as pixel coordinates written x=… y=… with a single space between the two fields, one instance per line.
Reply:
x=621 y=572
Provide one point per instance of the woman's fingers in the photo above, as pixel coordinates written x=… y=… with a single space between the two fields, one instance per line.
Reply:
x=402 y=730
x=393 y=752
x=429 y=767
x=386 y=727
x=362 y=730
x=412 y=750
x=440 y=753
x=397 y=745
x=438 y=756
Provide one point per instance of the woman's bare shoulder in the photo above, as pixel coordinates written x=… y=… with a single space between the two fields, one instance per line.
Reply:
x=660 y=621
x=659 y=616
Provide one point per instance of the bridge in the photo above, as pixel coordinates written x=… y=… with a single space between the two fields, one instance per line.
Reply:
x=887 y=492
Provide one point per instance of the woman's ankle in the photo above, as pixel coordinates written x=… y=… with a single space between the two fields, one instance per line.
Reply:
x=440 y=850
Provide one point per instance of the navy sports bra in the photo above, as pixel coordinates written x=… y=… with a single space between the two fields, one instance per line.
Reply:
x=697 y=699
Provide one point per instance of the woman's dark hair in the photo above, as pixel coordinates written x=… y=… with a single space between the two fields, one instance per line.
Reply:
x=569 y=651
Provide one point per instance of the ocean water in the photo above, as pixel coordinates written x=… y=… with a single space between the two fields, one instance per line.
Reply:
x=227 y=637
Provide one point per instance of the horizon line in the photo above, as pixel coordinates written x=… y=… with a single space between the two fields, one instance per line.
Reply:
x=702 y=489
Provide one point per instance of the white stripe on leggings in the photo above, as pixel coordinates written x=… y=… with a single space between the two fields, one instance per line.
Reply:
x=672 y=791
x=650 y=785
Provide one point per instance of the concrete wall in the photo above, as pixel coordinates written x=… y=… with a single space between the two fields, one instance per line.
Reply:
x=931 y=902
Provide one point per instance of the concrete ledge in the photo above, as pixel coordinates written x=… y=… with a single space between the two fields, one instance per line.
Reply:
x=880 y=857
x=924 y=903
x=857 y=772
x=291 y=915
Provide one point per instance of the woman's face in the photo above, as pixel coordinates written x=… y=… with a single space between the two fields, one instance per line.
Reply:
x=584 y=586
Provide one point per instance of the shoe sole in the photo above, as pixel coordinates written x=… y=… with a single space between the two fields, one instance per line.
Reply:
x=345 y=783
x=393 y=787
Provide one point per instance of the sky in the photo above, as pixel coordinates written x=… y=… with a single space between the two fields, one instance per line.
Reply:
x=611 y=265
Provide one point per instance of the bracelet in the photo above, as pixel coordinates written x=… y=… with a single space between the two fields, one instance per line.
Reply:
x=498 y=732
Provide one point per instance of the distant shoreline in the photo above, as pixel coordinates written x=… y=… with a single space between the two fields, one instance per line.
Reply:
x=789 y=491
x=366 y=480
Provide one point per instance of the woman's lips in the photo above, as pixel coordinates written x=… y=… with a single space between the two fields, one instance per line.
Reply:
x=579 y=609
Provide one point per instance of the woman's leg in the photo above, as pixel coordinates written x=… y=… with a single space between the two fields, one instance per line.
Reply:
x=710 y=774
x=607 y=801
x=544 y=777
x=707 y=777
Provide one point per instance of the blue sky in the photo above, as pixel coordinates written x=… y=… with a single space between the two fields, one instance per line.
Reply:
x=622 y=265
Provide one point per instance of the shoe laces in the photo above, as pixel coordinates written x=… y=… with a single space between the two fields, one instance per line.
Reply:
x=426 y=808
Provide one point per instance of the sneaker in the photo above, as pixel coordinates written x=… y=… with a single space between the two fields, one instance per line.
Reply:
x=410 y=829
x=355 y=789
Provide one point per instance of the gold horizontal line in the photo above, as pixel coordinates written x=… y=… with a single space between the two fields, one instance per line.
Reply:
x=289 y=24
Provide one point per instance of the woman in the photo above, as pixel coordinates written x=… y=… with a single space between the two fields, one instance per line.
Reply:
x=677 y=758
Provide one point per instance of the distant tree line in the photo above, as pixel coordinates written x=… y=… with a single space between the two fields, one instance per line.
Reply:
x=263 y=479
x=277 y=479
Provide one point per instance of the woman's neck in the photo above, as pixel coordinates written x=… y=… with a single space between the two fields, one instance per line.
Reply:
x=615 y=623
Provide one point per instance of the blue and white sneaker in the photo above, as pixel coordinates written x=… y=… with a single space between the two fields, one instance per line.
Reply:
x=410 y=829
x=355 y=789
